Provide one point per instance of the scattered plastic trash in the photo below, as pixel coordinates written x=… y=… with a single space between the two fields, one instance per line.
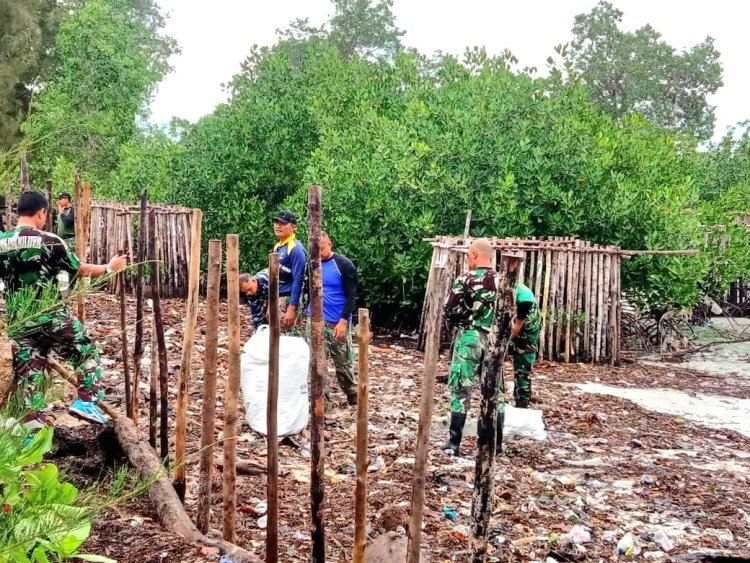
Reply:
x=460 y=532
x=721 y=535
x=301 y=536
x=261 y=508
x=653 y=555
x=610 y=536
x=450 y=513
x=263 y=522
x=577 y=535
x=626 y=546
x=648 y=480
x=377 y=465
x=524 y=422
x=663 y=541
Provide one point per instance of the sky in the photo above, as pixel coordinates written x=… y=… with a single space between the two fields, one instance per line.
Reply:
x=216 y=36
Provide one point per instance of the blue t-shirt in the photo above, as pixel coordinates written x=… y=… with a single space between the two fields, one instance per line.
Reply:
x=339 y=280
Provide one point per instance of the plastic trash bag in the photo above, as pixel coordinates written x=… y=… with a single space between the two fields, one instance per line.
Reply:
x=524 y=422
x=293 y=405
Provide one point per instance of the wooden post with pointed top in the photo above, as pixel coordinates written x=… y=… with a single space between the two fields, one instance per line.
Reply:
x=317 y=377
x=433 y=323
x=208 y=409
x=191 y=317
x=233 y=389
x=124 y=340
x=24 y=169
x=491 y=385
x=363 y=394
x=48 y=225
x=272 y=441
x=138 y=349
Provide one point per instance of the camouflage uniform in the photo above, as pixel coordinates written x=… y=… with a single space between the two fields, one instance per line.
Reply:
x=525 y=344
x=342 y=354
x=470 y=304
x=32 y=263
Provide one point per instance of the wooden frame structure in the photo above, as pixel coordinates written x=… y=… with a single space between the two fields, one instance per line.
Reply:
x=114 y=227
x=576 y=283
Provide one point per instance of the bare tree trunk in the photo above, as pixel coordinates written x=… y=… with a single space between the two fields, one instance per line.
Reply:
x=317 y=377
x=492 y=375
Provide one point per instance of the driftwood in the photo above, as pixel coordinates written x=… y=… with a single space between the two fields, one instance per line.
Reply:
x=161 y=492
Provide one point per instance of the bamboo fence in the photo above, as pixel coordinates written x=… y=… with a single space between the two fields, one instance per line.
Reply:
x=576 y=283
x=114 y=226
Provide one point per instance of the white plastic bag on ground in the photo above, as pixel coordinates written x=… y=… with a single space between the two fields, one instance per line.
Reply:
x=293 y=406
x=524 y=422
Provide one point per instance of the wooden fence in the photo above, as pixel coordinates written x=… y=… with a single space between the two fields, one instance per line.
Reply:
x=114 y=227
x=577 y=286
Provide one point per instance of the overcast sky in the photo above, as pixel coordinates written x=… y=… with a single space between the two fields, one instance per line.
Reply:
x=216 y=36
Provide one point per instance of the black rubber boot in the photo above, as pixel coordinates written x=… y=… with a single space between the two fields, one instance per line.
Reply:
x=499 y=440
x=456 y=431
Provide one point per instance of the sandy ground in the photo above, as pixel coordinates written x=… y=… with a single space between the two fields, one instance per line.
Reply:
x=635 y=448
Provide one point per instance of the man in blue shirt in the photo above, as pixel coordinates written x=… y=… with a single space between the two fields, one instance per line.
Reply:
x=339 y=280
x=292 y=264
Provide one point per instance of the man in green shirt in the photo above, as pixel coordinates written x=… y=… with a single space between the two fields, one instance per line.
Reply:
x=32 y=263
x=524 y=337
x=66 y=226
x=470 y=305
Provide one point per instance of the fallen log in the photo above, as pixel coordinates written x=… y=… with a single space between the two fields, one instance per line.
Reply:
x=167 y=504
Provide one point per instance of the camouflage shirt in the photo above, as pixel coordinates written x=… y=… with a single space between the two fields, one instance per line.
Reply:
x=471 y=301
x=34 y=261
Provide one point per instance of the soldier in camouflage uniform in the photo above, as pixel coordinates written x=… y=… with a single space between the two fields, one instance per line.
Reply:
x=470 y=305
x=33 y=263
x=525 y=340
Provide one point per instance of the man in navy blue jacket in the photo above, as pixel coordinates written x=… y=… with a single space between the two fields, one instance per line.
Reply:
x=292 y=264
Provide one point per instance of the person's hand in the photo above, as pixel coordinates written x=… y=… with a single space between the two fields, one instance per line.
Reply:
x=60 y=208
x=339 y=331
x=290 y=316
x=118 y=262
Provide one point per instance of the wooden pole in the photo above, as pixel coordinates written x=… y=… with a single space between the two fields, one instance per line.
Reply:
x=545 y=305
x=48 y=225
x=208 y=410
x=467 y=226
x=432 y=350
x=124 y=341
x=233 y=388
x=153 y=387
x=272 y=437
x=191 y=317
x=317 y=377
x=491 y=383
x=25 y=187
x=569 y=293
x=138 y=349
x=363 y=398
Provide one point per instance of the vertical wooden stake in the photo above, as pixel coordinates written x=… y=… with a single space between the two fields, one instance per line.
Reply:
x=25 y=187
x=162 y=345
x=233 y=388
x=48 y=226
x=153 y=387
x=363 y=398
x=138 y=349
x=432 y=350
x=124 y=340
x=544 y=350
x=208 y=411
x=191 y=317
x=492 y=375
x=272 y=437
x=317 y=375
x=467 y=226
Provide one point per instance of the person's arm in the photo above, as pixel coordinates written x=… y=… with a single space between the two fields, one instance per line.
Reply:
x=349 y=281
x=97 y=270
x=298 y=260
x=522 y=311
x=455 y=305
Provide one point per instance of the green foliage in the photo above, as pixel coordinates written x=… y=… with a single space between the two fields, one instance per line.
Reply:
x=41 y=518
x=110 y=63
x=629 y=72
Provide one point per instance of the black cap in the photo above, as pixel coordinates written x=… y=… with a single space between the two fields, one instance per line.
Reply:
x=64 y=194
x=286 y=216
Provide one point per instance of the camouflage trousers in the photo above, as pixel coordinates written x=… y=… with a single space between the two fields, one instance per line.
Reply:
x=466 y=370
x=68 y=337
x=297 y=328
x=525 y=347
x=342 y=354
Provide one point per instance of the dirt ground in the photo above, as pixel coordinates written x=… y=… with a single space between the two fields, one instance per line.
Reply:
x=608 y=465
